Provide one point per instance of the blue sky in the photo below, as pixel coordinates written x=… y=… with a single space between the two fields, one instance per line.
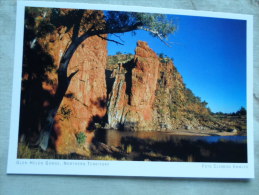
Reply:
x=210 y=54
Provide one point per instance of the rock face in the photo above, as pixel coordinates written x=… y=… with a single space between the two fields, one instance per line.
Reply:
x=85 y=100
x=149 y=94
x=133 y=93
x=175 y=105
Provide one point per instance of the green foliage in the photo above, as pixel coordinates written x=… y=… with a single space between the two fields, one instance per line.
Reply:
x=159 y=25
x=39 y=20
x=161 y=111
x=80 y=138
x=204 y=103
x=209 y=110
x=192 y=99
x=164 y=58
x=161 y=55
x=173 y=110
x=119 y=58
x=241 y=111
x=156 y=23
x=175 y=96
x=45 y=20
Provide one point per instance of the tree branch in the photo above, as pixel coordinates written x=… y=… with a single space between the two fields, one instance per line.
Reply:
x=72 y=74
x=118 y=37
x=62 y=71
x=76 y=28
x=110 y=40
x=110 y=31
x=156 y=33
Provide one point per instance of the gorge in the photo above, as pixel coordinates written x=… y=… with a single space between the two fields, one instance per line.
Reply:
x=141 y=92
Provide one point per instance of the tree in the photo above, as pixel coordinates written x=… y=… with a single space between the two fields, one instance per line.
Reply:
x=241 y=111
x=161 y=55
x=204 y=104
x=84 y=24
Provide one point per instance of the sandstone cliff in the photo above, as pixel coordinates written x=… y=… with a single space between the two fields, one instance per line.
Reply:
x=149 y=94
x=133 y=93
x=85 y=100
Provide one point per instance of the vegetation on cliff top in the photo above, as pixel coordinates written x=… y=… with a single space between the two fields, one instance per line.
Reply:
x=176 y=107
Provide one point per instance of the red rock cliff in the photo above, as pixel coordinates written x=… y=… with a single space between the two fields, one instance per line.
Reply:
x=85 y=99
x=133 y=93
x=86 y=95
x=149 y=94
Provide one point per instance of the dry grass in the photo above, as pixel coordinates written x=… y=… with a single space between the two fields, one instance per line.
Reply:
x=26 y=152
x=106 y=157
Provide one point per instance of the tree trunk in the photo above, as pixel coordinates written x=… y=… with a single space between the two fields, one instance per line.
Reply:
x=45 y=132
x=64 y=80
x=48 y=126
x=63 y=84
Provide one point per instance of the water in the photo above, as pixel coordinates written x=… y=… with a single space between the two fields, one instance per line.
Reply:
x=164 y=145
x=114 y=137
x=237 y=139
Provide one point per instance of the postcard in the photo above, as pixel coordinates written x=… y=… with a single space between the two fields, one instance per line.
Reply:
x=131 y=91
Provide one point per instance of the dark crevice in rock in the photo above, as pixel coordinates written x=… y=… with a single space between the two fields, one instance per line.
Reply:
x=128 y=78
x=109 y=81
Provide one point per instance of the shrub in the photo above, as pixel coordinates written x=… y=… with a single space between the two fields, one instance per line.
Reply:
x=80 y=138
x=173 y=108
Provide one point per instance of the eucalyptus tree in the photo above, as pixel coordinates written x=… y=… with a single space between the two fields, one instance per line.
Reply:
x=85 y=24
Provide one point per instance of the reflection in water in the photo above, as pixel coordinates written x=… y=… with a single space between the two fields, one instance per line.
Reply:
x=163 y=146
x=113 y=137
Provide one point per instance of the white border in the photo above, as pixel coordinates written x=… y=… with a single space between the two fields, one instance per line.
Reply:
x=125 y=168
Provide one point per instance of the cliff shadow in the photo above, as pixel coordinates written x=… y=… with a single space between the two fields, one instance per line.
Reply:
x=128 y=77
x=109 y=81
x=98 y=121
x=186 y=150
x=35 y=101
